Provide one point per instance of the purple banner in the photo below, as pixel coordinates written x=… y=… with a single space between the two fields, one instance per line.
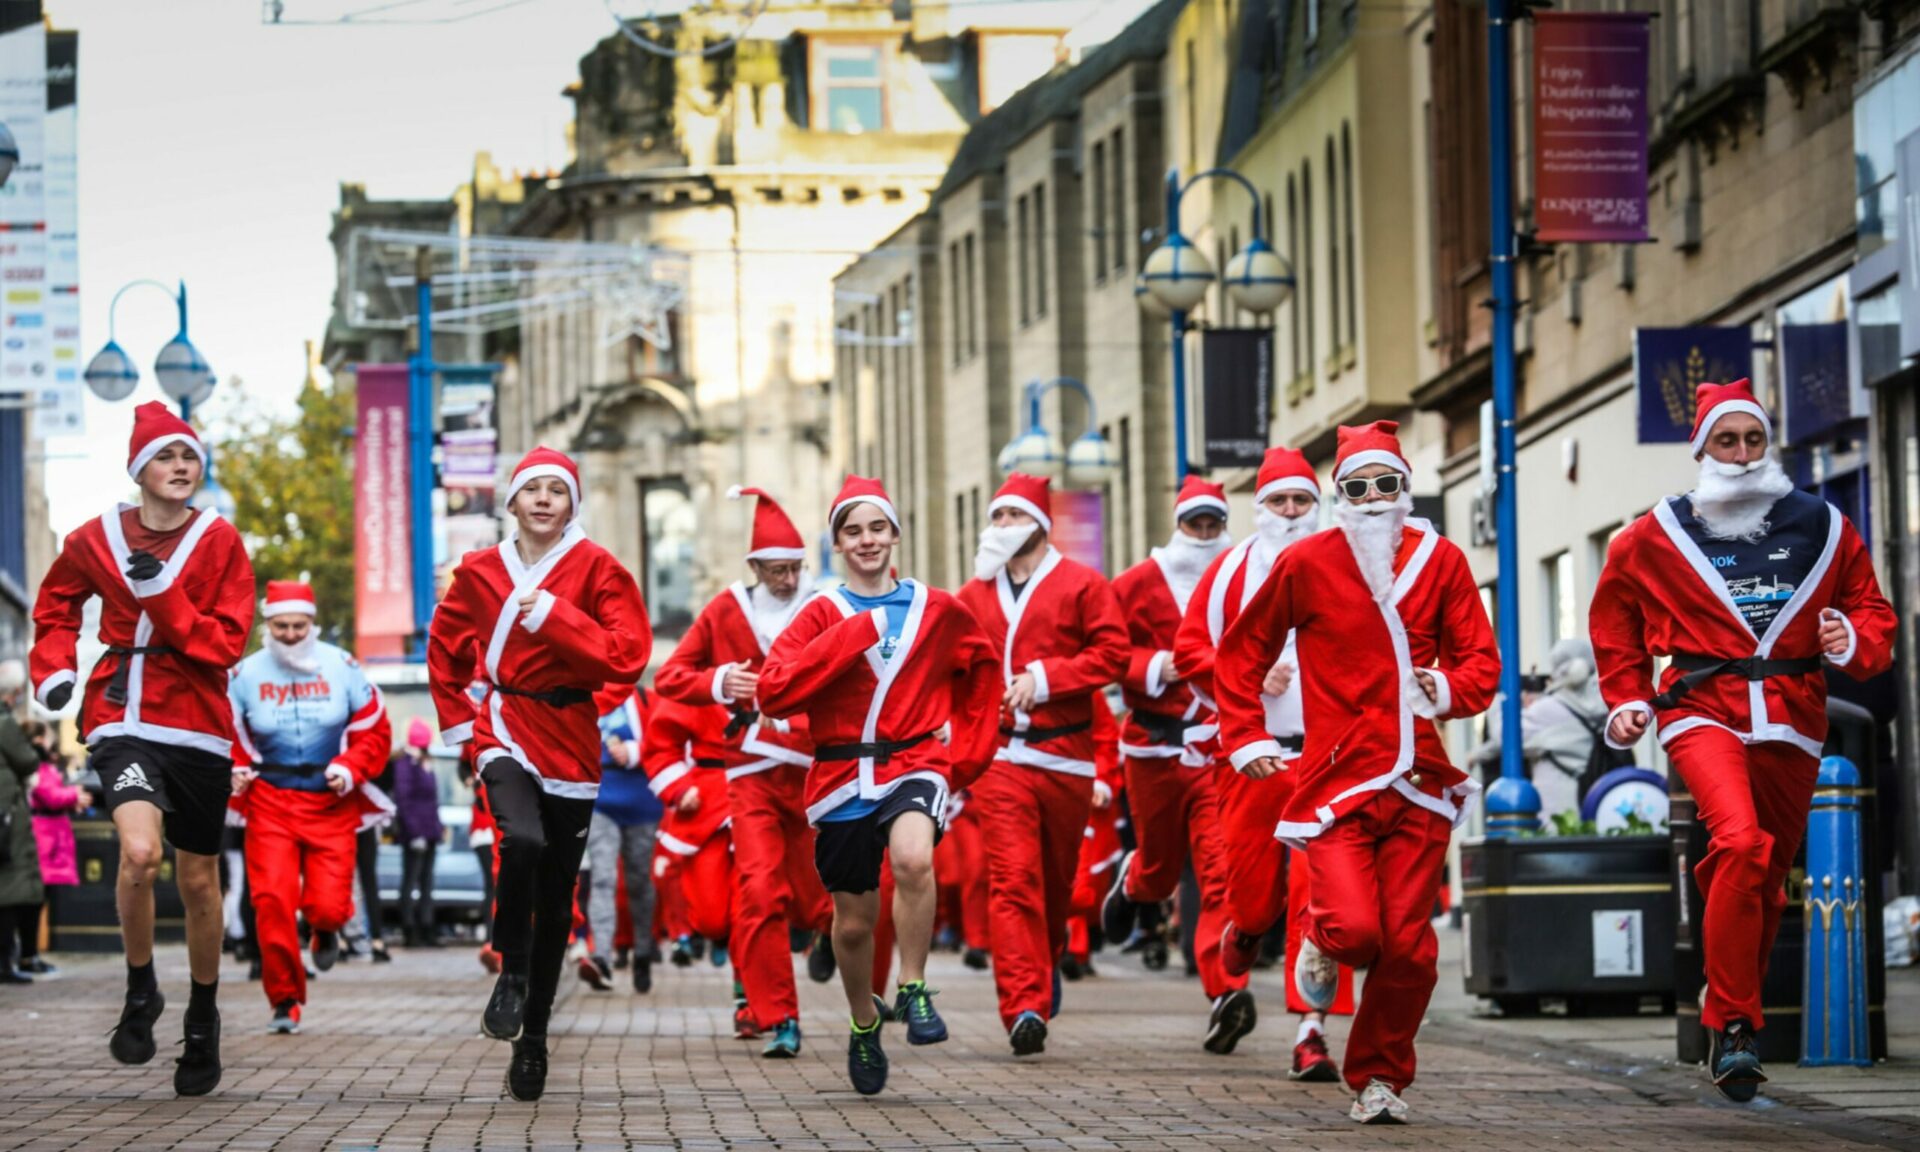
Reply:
x=1590 y=126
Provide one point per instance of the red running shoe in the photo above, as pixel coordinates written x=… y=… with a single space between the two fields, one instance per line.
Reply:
x=1312 y=1062
x=1238 y=950
x=743 y=1026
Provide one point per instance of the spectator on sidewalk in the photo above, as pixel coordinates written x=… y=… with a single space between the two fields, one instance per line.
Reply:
x=53 y=802
x=416 y=795
x=21 y=892
x=1560 y=730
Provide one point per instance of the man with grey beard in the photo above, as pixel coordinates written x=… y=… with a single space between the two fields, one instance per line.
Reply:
x=1753 y=588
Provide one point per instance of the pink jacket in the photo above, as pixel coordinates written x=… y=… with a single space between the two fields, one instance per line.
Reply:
x=53 y=801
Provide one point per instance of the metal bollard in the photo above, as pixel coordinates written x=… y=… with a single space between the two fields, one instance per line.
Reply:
x=1833 y=1022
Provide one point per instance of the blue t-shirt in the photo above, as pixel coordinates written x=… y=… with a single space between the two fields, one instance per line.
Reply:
x=897 y=603
x=1763 y=576
x=625 y=796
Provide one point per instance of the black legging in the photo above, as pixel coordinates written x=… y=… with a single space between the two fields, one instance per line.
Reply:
x=541 y=840
x=367 y=861
x=484 y=854
x=27 y=921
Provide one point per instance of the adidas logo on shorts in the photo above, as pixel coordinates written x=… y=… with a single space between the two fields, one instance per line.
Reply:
x=134 y=777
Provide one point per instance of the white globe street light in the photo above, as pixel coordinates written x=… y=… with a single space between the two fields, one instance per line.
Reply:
x=1257 y=279
x=111 y=373
x=1143 y=296
x=1089 y=463
x=1177 y=274
x=180 y=369
x=204 y=392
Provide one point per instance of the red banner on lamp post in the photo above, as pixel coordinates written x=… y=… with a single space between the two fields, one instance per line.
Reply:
x=383 y=568
x=1590 y=126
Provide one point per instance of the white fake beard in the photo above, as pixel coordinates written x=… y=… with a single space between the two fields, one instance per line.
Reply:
x=299 y=657
x=1185 y=558
x=1733 y=500
x=771 y=615
x=998 y=545
x=1373 y=531
x=1274 y=532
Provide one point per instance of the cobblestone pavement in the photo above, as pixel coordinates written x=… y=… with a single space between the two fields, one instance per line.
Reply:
x=390 y=1058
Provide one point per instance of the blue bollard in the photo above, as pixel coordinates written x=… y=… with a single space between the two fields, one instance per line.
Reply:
x=1833 y=1021
x=1513 y=807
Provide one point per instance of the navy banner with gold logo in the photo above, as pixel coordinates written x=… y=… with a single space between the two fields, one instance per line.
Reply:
x=1669 y=363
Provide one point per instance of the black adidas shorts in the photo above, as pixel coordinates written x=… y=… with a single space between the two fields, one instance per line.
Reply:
x=848 y=853
x=189 y=786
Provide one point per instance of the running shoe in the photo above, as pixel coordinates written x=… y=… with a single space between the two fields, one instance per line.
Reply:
x=286 y=1019
x=642 y=975
x=507 y=1009
x=595 y=973
x=1029 y=1035
x=1233 y=1017
x=197 y=1070
x=785 y=1044
x=976 y=959
x=131 y=1040
x=1118 y=912
x=1315 y=975
x=1238 y=950
x=745 y=1027
x=1378 y=1103
x=527 y=1071
x=866 y=1060
x=1735 y=1062
x=326 y=950
x=1312 y=1063
x=718 y=956
x=914 y=1004
x=682 y=954
x=820 y=962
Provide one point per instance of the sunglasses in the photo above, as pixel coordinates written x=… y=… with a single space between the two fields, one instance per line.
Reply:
x=1358 y=488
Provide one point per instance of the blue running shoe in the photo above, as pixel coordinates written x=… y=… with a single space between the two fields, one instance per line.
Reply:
x=785 y=1044
x=1735 y=1062
x=866 y=1060
x=915 y=1006
x=1029 y=1035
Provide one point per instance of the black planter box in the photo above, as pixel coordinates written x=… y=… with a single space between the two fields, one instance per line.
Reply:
x=84 y=918
x=1589 y=919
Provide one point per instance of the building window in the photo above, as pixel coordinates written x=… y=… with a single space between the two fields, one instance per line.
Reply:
x=956 y=322
x=669 y=527
x=1100 y=222
x=1125 y=533
x=1561 y=598
x=1333 y=252
x=850 y=89
x=1306 y=264
x=1293 y=262
x=1039 y=251
x=1022 y=246
x=1118 y=157
x=1313 y=21
x=1346 y=189
x=973 y=308
x=1193 y=114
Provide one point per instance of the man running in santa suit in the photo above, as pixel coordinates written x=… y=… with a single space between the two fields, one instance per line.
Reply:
x=312 y=733
x=681 y=757
x=879 y=666
x=176 y=605
x=1387 y=622
x=1061 y=640
x=1171 y=794
x=1261 y=887
x=719 y=662
x=1754 y=589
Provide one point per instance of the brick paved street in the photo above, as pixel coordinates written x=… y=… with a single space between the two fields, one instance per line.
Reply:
x=390 y=1059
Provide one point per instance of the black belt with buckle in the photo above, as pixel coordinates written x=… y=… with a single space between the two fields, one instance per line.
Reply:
x=1042 y=735
x=1293 y=744
x=552 y=697
x=880 y=750
x=1161 y=729
x=123 y=672
x=296 y=777
x=1698 y=669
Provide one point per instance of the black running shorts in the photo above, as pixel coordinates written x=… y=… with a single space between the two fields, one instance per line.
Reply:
x=189 y=786
x=848 y=853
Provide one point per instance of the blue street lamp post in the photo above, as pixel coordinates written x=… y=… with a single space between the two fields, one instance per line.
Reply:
x=421 y=369
x=1088 y=463
x=1176 y=278
x=1513 y=804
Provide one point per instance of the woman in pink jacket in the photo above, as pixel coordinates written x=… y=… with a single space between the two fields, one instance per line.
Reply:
x=53 y=802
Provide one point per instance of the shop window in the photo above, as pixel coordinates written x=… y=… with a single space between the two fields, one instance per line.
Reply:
x=668 y=526
x=1561 y=609
x=850 y=88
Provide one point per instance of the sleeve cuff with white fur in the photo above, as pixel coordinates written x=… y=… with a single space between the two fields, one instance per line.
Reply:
x=542 y=605
x=879 y=616
x=1039 y=672
x=1442 y=693
x=340 y=772
x=1157 y=673
x=1853 y=642
x=1247 y=754
x=50 y=683
x=146 y=589
x=719 y=684
x=1629 y=706
x=457 y=735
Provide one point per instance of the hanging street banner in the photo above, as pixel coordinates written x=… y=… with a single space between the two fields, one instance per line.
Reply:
x=62 y=410
x=1669 y=363
x=383 y=569
x=1816 y=388
x=26 y=353
x=1079 y=527
x=1590 y=126
x=1236 y=381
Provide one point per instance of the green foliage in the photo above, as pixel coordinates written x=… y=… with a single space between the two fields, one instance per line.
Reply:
x=291 y=477
x=1570 y=824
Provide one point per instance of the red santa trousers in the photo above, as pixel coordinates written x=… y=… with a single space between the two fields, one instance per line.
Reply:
x=1033 y=822
x=288 y=843
x=706 y=884
x=960 y=863
x=1100 y=853
x=670 y=903
x=1176 y=816
x=775 y=884
x=1754 y=800
x=1374 y=875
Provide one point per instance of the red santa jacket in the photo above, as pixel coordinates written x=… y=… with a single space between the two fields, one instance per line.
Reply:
x=200 y=609
x=670 y=754
x=1067 y=630
x=1369 y=725
x=1658 y=596
x=1152 y=610
x=724 y=637
x=1224 y=591
x=827 y=666
x=588 y=629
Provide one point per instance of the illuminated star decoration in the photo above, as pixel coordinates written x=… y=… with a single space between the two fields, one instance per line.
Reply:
x=639 y=306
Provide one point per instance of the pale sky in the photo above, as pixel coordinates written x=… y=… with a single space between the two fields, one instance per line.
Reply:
x=212 y=148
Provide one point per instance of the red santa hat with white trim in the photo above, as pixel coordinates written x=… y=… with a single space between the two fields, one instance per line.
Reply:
x=1712 y=401
x=289 y=598
x=774 y=536
x=1375 y=443
x=544 y=461
x=862 y=490
x=1200 y=496
x=1031 y=494
x=154 y=427
x=1286 y=470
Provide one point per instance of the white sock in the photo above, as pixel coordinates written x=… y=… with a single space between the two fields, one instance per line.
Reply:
x=1307 y=1028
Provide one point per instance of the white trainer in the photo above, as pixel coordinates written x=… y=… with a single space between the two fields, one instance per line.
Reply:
x=1378 y=1103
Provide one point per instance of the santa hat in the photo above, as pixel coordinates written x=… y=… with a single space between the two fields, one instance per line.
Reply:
x=1712 y=401
x=154 y=427
x=1200 y=497
x=544 y=461
x=1286 y=470
x=1031 y=494
x=1375 y=443
x=862 y=490
x=774 y=536
x=289 y=598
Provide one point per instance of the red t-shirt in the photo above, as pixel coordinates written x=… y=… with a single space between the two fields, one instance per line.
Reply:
x=159 y=545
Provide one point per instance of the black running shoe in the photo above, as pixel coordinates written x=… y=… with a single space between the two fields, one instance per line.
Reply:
x=197 y=1071
x=976 y=959
x=682 y=954
x=820 y=962
x=326 y=950
x=866 y=1060
x=286 y=1019
x=1233 y=1017
x=915 y=1006
x=507 y=1008
x=1735 y=1062
x=131 y=1040
x=642 y=975
x=527 y=1071
x=1029 y=1035
x=1118 y=913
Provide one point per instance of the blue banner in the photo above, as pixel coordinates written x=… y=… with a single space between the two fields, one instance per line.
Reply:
x=1669 y=363
x=1815 y=388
